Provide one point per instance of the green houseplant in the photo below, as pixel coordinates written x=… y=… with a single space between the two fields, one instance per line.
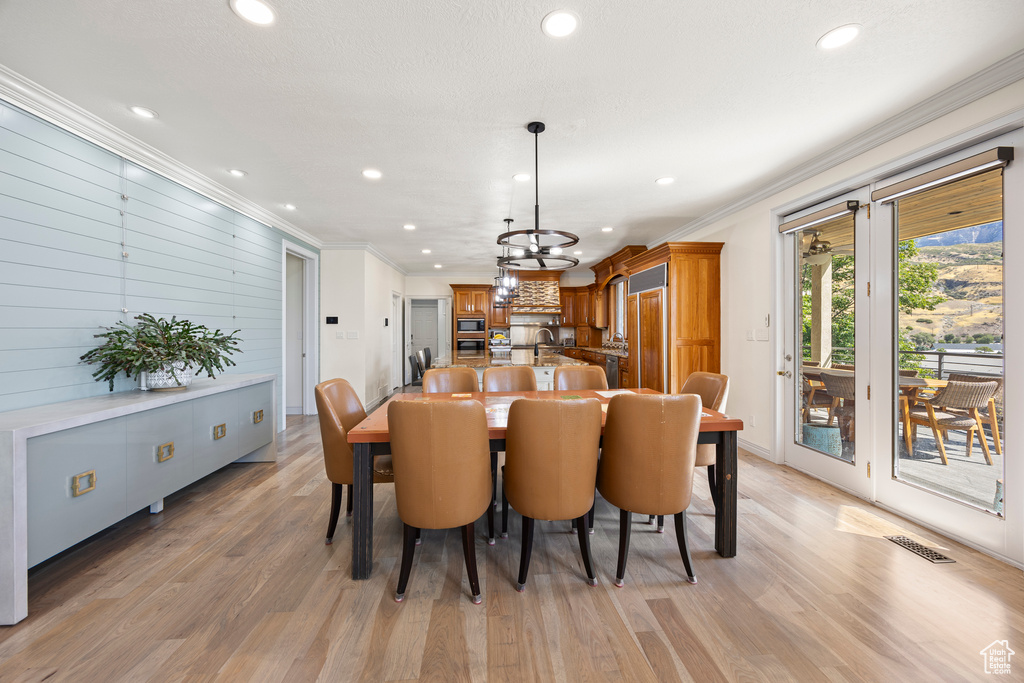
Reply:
x=158 y=345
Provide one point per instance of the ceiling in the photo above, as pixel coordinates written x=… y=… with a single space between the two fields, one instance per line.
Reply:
x=725 y=96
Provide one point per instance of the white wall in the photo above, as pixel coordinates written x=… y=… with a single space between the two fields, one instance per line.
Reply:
x=747 y=273
x=342 y=294
x=380 y=281
x=293 y=333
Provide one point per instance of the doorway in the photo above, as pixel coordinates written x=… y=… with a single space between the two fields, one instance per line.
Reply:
x=427 y=326
x=299 y=341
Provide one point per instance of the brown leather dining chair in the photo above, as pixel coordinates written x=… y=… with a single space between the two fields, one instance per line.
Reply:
x=647 y=463
x=570 y=377
x=551 y=468
x=339 y=410
x=450 y=381
x=441 y=476
x=510 y=378
x=713 y=390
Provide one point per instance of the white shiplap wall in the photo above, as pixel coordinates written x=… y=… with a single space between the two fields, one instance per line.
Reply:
x=66 y=207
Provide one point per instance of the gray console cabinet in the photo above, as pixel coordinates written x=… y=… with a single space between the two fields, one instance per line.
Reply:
x=69 y=470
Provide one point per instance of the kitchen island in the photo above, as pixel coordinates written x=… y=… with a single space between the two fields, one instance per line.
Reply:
x=543 y=364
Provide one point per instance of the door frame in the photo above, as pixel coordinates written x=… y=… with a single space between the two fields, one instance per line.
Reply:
x=444 y=330
x=310 y=316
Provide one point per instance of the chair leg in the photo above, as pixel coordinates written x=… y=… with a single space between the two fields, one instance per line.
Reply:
x=650 y=519
x=624 y=528
x=504 y=510
x=336 y=493
x=469 y=550
x=661 y=524
x=684 y=549
x=981 y=435
x=525 y=553
x=408 y=548
x=590 y=517
x=581 y=531
x=490 y=525
x=348 y=500
x=994 y=424
x=712 y=484
x=494 y=479
x=942 y=446
x=970 y=440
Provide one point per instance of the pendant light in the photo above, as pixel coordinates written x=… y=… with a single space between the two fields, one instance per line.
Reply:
x=506 y=283
x=537 y=249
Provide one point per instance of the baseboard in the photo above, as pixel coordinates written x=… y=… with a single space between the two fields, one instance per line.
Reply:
x=293 y=410
x=759 y=451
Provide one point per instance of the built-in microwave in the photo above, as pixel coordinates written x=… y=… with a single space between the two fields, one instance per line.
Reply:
x=470 y=325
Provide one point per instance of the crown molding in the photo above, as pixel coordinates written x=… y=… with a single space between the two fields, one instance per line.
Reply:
x=51 y=107
x=987 y=81
x=368 y=247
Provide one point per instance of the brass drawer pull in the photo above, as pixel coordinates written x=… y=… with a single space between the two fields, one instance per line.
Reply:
x=76 y=483
x=220 y=431
x=257 y=417
x=165 y=451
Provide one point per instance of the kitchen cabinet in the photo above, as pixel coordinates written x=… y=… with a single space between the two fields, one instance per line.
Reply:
x=567 y=299
x=599 y=304
x=624 y=376
x=571 y=352
x=582 y=306
x=496 y=317
x=676 y=329
x=471 y=300
x=582 y=335
x=594 y=358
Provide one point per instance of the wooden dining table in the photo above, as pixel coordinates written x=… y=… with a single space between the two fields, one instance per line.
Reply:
x=370 y=438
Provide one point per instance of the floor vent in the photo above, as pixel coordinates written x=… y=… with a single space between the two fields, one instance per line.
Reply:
x=924 y=551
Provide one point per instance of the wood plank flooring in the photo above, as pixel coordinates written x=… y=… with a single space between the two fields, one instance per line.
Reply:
x=232 y=582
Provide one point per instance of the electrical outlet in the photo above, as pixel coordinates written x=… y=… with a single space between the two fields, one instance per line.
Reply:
x=750 y=335
x=753 y=420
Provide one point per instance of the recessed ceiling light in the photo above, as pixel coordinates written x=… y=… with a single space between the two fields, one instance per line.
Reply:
x=290 y=207
x=238 y=173
x=143 y=112
x=437 y=265
x=577 y=253
x=521 y=177
x=560 y=23
x=254 y=11
x=665 y=181
x=426 y=251
x=838 y=37
x=608 y=229
x=372 y=174
x=409 y=226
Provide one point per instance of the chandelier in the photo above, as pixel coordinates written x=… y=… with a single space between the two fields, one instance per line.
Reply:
x=506 y=283
x=536 y=249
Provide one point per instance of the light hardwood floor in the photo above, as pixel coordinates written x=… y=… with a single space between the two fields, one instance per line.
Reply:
x=233 y=582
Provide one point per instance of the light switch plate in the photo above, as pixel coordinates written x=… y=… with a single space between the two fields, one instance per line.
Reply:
x=352 y=334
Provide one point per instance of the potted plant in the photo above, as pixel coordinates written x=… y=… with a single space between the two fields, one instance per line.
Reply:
x=168 y=350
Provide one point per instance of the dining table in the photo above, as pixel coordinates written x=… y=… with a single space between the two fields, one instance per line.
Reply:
x=370 y=438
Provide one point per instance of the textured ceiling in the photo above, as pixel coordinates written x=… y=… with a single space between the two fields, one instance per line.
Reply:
x=725 y=96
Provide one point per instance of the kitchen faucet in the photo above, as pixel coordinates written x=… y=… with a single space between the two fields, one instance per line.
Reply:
x=536 y=341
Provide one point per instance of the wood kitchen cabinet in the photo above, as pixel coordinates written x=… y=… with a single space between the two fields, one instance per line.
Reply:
x=599 y=306
x=582 y=306
x=496 y=317
x=471 y=300
x=567 y=299
x=675 y=330
x=582 y=336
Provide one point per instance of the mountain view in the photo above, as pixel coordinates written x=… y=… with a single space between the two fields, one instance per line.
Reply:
x=969 y=269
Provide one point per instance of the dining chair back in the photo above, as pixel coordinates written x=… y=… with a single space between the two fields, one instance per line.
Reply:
x=427 y=358
x=415 y=372
x=442 y=477
x=510 y=378
x=450 y=381
x=647 y=462
x=421 y=360
x=551 y=468
x=713 y=390
x=954 y=406
x=574 y=377
x=339 y=411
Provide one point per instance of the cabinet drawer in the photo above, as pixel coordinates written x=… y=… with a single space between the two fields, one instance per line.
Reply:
x=76 y=485
x=215 y=432
x=255 y=417
x=160 y=453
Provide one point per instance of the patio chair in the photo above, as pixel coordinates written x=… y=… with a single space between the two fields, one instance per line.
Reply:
x=988 y=414
x=954 y=406
x=842 y=388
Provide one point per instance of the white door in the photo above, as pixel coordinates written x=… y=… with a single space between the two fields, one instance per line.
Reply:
x=424 y=326
x=963 y=231
x=826 y=362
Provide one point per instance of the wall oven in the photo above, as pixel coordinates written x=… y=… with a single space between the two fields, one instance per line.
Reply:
x=470 y=346
x=470 y=325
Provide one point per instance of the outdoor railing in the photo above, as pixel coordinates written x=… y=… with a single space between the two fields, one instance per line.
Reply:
x=938 y=363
